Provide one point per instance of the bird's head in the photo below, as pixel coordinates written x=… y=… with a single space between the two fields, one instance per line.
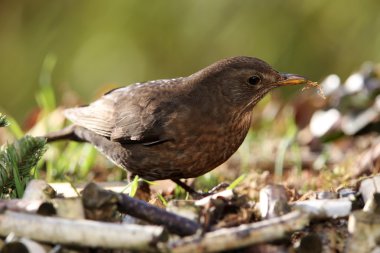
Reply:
x=242 y=81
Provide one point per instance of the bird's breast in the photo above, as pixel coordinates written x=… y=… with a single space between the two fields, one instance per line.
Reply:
x=203 y=146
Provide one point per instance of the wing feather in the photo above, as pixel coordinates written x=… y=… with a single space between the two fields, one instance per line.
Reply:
x=129 y=114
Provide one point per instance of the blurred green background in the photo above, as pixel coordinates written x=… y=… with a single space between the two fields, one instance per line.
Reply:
x=94 y=43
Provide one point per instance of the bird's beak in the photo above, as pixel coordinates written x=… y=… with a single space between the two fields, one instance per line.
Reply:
x=291 y=79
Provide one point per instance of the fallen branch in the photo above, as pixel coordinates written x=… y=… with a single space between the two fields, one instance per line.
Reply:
x=243 y=235
x=96 y=197
x=80 y=232
x=325 y=208
x=174 y=223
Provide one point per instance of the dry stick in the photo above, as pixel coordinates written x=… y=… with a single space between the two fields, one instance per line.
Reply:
x=243 y=235
x=80 y=232
x=174 y=223
x=325 y=208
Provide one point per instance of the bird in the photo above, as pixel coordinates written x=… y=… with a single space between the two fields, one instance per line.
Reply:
x=176 y=128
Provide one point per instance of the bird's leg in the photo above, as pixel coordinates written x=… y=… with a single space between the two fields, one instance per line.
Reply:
x=191 y=191
x=199 y=195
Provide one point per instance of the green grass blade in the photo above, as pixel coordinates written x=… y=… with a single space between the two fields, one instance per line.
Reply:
x=163 y=200
x=89 y=155
x=236 y=182
x=45 y=96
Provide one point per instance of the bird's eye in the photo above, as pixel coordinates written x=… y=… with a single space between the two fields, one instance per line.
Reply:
x=253 y=80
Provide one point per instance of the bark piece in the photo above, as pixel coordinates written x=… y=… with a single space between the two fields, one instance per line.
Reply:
x=273 y=201
x=99 y=204
x=70 y=208
x=369 y=186
x=365 y=230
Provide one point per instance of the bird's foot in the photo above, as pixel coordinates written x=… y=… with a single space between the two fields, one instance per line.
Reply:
x=198 y=195
x=220 y=187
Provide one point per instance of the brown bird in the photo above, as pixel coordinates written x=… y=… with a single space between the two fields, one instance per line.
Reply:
x=177 y=128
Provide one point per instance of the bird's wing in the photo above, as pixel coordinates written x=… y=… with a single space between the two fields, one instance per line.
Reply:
x=130 y=114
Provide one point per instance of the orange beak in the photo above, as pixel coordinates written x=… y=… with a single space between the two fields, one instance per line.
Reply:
x=291 y=79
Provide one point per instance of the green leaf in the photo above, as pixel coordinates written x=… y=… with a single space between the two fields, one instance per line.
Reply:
x=3 y=121
x=16 y=163
x=134 y=186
